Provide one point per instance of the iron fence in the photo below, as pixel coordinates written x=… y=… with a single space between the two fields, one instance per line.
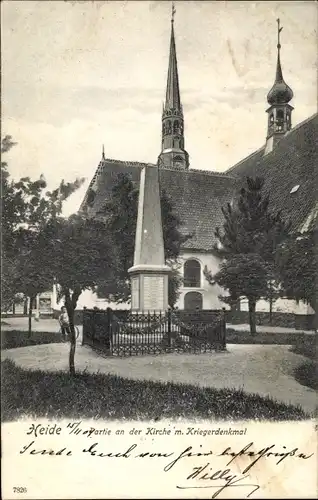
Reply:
x=127 y=333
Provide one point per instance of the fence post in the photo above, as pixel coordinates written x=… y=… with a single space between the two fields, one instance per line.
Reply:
x=169 y=327
x=84 y=325
x=223 y=328
x=93 y=323
x=109 y=328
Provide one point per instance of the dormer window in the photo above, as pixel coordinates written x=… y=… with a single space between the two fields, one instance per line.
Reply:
x=294 y=189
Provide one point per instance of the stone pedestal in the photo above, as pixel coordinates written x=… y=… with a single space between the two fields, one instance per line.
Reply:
x=149 y=274
x=149 y=288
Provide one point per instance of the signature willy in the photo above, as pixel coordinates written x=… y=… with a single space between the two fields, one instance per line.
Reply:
x=231 y=480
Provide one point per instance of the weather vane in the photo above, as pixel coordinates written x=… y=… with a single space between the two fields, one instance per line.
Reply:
x=173 y=12
x=278 y=33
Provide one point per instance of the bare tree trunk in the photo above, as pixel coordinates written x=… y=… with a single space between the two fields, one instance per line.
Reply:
x=252 y=315
x=271 y=302
x=70 y=303
x=25 y=306
x=70 y=313
x=72 y=351
x=30 y=316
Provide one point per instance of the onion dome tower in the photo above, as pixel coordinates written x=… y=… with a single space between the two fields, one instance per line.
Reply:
x=280 y=111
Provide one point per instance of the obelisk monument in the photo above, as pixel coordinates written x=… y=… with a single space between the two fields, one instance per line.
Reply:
x=149 y=274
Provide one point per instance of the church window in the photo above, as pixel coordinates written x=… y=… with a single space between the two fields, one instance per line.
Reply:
x=176 y=127
x=178 y=159
x=280 y=120
x=192 y=274
x=193 y=301
x=168 y=127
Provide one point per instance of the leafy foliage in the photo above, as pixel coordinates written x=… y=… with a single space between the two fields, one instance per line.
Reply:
x=249 y=226
x=297 y=260
x=78 y=252
x=27 y=207
x=248 y=242
x=244 y=275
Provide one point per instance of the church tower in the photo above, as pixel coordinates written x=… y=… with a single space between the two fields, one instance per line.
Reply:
x=280 y=111
x=173 y=154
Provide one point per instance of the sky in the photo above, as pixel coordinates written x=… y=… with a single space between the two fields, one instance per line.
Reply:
x=80 y=74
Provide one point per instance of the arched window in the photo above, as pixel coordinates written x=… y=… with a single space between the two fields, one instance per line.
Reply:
x=192 y=274
x=280 y=119
x=178 y=159
x=193 y=301
x=176 y=127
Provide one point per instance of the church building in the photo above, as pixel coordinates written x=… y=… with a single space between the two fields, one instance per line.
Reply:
x=288 y=162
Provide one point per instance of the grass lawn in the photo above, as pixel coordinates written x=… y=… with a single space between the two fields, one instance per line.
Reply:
x=307 y=373
x=41 y=394
x=18 y=338
x=242 y=337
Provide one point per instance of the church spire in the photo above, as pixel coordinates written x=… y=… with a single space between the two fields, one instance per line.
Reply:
x=173 y=92
x=279 y=112
x=173 y=154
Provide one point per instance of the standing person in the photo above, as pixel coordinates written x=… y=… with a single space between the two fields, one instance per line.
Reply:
x=64 y=322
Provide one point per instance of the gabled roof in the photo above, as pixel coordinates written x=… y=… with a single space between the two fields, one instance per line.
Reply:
x=197 y=197
x=293 y=162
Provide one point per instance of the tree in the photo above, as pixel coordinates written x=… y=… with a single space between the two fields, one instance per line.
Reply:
x=297 y=260
x=26 y=208
x=244 y=275
x=248 y=242
x=79 y=252
x=120 y=214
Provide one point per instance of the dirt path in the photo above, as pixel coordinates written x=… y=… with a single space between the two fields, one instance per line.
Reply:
x=262 y=369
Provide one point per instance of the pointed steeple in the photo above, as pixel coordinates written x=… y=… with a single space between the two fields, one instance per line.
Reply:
x=103 y=152
x=173 y=154
x=173 y=92
x=280 y=93
x=279 y=112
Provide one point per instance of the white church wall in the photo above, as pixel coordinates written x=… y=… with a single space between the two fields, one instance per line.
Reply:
x=87 y=299
x=209 y=292
x=90 y=300
x=280 y=305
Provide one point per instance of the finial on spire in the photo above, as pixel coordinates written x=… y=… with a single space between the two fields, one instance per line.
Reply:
x=103 y=153
x=279 y=29
x=173 y=11
x=280 y=93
